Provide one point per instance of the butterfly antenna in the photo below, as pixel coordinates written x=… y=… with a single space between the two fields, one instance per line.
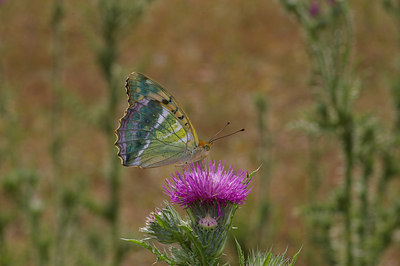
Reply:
x=227 y=124
x=240 y=130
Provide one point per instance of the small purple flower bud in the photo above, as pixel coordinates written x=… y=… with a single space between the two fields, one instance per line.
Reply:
x=208 y=222
x=151 y=218
x=314 y=9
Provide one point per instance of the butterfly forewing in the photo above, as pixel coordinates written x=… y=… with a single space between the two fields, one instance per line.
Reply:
x=154 y=131
x=139 y=86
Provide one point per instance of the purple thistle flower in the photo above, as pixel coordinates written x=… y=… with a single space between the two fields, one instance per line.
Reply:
x=314 y=9
x=212 y=185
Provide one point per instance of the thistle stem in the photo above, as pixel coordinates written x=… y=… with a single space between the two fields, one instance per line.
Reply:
x=197 y=245
x=348 y=153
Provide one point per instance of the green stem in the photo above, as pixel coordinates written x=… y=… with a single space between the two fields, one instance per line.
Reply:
x=314 y=156
x=114 y=184
x=114 y=174
x=364 y=213
x=197 y=245
x=264 y=151
x=348 y=153
x=57 y=135
x=396 y=85
x=107 y=59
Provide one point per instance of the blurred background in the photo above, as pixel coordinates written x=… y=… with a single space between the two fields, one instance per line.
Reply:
x=65 y=198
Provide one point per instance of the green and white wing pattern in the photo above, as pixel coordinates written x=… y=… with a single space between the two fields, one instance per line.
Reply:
x=154 y=130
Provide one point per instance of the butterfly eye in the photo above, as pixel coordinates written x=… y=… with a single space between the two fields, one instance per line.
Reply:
x=207 y=147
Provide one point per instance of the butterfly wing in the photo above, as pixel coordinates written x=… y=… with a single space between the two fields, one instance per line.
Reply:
x=154 y=130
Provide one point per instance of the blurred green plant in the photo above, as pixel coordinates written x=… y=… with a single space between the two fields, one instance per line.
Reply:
x=261 y=105
x=393 y=8
x=23 y=191
x=258 y=232
x=66 y=198
x=114 y=18
x=20 y=186
x=17 y=185
x=354 y=211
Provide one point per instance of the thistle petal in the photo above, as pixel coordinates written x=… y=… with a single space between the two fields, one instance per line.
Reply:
x=214 y=184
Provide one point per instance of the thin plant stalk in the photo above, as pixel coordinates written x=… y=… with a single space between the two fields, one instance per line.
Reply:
x=265 y=148
x=332 y=66
x=114 y=16
x=57 y=138
x=107 y=55
x=329 y=41
x=366 y=232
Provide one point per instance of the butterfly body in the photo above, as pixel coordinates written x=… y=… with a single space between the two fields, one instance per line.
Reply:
x=155 y=131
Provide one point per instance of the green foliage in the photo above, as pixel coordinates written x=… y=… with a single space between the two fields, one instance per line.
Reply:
x=267 y=258
x=114 y=17
x=160 y=256
x=367 y=160
x=22 y=187
x=261 y=231
x=197 y=246
x=56 y=237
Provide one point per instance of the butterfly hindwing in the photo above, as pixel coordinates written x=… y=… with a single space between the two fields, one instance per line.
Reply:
x=154 y=131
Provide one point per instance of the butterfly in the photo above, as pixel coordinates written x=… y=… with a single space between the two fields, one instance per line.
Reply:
x=155 y=131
